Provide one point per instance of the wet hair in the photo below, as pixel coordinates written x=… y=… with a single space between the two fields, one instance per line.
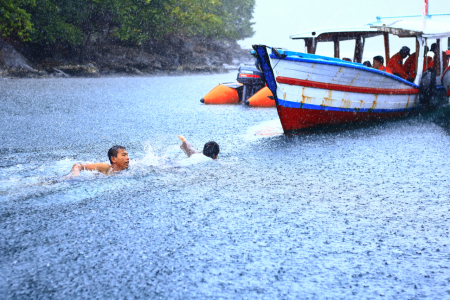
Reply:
x=211 y=149
x=379 y=58
x=113 y=151
x=367 y=64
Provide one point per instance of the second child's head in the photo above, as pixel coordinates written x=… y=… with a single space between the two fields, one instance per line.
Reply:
x=211 y=149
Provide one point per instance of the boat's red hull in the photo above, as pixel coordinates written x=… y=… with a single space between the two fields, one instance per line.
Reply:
x=299 y=118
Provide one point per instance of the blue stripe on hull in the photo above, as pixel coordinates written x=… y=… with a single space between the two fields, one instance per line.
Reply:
x=329 y=108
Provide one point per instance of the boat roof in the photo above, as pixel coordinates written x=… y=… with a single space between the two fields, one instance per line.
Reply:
x=337 y=33
x=431 y=26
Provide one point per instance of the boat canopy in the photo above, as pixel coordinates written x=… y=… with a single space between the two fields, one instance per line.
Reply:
x=421 y=27
x=337 y=34
x=430 y=26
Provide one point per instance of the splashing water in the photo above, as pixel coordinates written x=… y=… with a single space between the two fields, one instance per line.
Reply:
x=264 y=129
x=327 y=214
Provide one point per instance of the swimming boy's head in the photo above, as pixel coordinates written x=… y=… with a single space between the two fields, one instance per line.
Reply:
x=118 y=156
x=211 y=149
x=378 y=61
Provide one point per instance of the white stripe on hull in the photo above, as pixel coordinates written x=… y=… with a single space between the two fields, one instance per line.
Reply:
x=335 y=75
x=345 y=76
x=346 y=100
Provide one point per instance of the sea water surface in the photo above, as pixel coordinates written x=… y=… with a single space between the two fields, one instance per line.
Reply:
x=359 y=212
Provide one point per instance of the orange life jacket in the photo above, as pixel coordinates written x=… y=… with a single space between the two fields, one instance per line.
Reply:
x=385 y=69
x=410 y=64
x=396 y=65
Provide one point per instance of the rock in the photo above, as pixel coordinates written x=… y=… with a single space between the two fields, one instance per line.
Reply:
x=59 y=73
x=195 y=68
x=134 y=71
x=15 y=65
x=23 y=73
x=88 y=70
x=175 y=54
x=120 y=58
x=12 y=59
x=42 y=74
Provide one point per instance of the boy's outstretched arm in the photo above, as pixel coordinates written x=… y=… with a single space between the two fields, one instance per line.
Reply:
x=101 y=167
x=187 y=148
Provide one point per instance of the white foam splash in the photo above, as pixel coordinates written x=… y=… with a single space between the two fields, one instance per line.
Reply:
x=150 y=158
x=171 y=157
x=264 y=129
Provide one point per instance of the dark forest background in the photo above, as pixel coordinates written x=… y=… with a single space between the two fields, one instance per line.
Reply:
x=55 y=32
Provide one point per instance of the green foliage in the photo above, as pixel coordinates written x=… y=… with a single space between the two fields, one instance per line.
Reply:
x=78 y=21
x=139 y=20
x=15 y=19
x=237 y=15
x=194 y=17
x=51 y=25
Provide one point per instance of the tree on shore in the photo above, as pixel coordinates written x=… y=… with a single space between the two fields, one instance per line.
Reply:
x=14 y=19
x=76 y=23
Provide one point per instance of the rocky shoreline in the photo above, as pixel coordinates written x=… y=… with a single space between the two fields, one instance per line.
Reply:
x=175 y=55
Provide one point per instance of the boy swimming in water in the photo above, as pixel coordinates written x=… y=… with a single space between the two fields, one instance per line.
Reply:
x=118 y=156
x=211 y=149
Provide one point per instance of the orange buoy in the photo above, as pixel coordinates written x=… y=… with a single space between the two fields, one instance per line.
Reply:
x=225 y=93
x=263 y=98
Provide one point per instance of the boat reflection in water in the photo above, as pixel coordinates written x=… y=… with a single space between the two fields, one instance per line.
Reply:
x=312 y=90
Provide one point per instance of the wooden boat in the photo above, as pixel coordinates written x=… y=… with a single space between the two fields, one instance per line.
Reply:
x=312 y=90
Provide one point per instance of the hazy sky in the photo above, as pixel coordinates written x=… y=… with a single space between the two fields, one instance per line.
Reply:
x=276 y=20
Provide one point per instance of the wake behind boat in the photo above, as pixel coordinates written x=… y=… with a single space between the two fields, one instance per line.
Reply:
x=312 y=90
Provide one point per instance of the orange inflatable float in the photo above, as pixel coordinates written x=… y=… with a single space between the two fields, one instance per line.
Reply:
x=249 y=89
x=263 y=98
x=225 y=93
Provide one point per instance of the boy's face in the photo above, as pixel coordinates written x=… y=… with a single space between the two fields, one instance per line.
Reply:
x=376 y=64
x=122 y=160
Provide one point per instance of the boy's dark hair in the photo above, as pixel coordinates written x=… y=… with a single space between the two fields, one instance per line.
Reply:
x=113 y=151
x=211 y=149
x=379 y=58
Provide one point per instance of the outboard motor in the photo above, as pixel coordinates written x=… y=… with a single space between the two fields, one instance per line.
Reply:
x=427 y=89
x=252 y=79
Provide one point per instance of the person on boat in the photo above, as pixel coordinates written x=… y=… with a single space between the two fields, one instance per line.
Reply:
x=118 y=157
x=410 y=64
x=434 y=49
x=378 y=63
x=396 y=63
x=446 y=58
x=211 y=149
x=367 y=64
x=346 y=59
